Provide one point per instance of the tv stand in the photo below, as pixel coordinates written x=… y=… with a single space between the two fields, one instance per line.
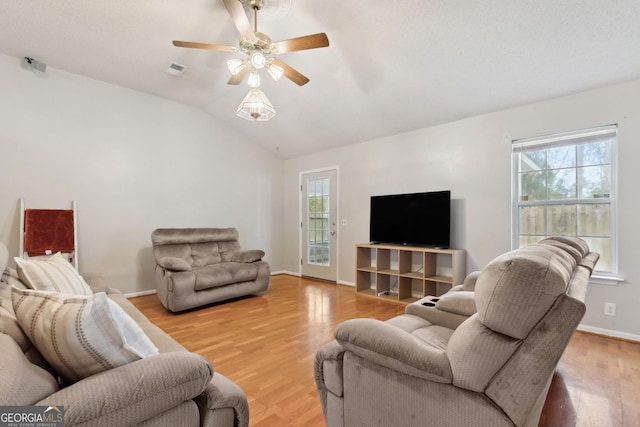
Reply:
x=407 y=273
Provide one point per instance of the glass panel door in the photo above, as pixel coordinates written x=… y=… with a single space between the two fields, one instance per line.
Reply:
x=318 y=213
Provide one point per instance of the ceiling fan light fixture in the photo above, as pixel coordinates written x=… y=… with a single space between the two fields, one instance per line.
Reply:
x=256 y=107
x=274 y=70
x=236 y=65
x=259 y=49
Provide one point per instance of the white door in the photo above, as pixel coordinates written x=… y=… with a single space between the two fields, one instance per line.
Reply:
x=318 y=207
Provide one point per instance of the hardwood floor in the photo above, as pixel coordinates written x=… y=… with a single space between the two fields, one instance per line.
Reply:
x=267 y=345
x=596 y=384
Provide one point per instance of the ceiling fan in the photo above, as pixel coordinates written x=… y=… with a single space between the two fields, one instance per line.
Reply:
x=259 y=47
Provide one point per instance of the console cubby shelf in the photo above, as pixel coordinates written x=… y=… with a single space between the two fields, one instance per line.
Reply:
x=407 y=273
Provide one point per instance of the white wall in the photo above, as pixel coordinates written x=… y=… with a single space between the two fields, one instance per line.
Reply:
x=133 y=163
x=472 y=158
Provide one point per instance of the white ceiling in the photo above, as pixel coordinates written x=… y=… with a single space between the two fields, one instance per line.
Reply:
x=392 y=66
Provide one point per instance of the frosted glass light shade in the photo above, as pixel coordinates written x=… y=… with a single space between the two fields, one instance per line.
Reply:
x=256 y=107
x=275 y=71
x=254 y=79
x=236 y=65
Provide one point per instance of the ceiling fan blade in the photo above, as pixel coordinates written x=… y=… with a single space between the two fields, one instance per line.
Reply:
x=291 y=74
x=208 y=46
x=312 y=41
x=240 y=19
x=237 y=79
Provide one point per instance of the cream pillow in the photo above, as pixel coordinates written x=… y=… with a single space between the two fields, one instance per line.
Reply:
x=80 y=335
x=52 y=274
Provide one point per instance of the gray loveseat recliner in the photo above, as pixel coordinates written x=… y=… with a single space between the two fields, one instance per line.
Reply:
x=492 y=369
x=199 y=266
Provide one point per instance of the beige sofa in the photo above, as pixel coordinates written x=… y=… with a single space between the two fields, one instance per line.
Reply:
x=492 y=369
x=174 y=387
x=199 y=266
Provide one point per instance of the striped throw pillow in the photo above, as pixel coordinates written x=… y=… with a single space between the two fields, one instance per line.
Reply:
x=80 y=335
x=52 y=274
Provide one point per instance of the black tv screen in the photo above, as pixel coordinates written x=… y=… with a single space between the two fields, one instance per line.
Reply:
x=420 y=219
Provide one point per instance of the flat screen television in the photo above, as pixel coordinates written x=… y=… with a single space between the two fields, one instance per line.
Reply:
x=417 y=219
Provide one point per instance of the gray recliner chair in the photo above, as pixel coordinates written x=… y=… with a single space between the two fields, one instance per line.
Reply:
x=494 y=369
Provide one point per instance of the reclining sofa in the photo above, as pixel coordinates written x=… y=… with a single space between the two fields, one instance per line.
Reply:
x=199 y=266
x=493 y=368
x=173 y=387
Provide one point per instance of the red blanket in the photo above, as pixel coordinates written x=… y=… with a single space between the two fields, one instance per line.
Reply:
x=48 y=230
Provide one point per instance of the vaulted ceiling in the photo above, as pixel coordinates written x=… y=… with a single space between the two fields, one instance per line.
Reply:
x=391 y=67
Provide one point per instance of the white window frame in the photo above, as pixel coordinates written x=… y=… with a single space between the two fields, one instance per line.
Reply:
x=570 y=138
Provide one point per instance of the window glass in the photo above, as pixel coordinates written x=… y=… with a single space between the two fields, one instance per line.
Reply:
x=561 y=157
x=318 y=221
x=561 y=184
x=594 y=181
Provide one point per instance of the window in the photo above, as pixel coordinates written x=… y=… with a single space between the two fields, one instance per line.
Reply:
x=564 y=185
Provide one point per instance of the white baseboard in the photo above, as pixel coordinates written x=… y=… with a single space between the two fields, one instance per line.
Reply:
x=140 y=293
x=292 y=273
x=609 y=333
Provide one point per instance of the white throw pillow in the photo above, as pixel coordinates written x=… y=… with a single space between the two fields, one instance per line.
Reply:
x=80 y=335
x=52 y=274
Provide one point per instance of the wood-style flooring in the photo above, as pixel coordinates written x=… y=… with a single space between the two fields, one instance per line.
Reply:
x=267 y=344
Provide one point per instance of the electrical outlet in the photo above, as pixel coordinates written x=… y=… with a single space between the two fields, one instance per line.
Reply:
x=609 y=309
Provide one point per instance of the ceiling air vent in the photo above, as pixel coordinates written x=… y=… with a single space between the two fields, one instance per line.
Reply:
x=36 y=65
x=175 y=69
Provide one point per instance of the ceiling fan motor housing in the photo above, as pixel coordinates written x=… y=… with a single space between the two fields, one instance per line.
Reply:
x=262 y=43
